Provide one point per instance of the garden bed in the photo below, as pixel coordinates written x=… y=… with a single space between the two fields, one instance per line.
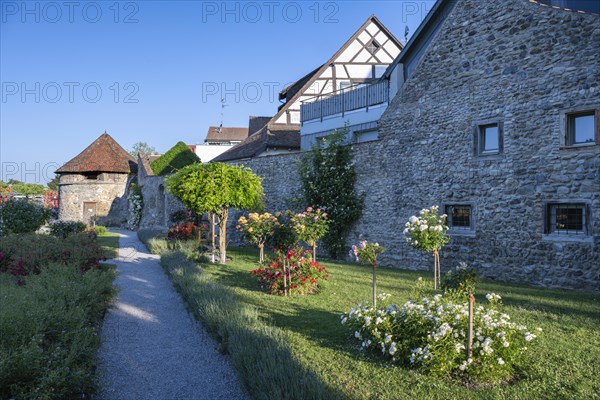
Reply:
x=563 y=363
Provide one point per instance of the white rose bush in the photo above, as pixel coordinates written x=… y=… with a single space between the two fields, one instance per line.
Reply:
x=430 y=335
x=428 y=232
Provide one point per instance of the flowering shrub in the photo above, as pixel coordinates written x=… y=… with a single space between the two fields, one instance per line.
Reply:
x=136 y=205
x=22 y=255
x=460 y=281
x=187 y=231
x=304 y=275
x=427 y=232
x=257 y=228
x=367 y=253
x=310 y=226
x=431 y=335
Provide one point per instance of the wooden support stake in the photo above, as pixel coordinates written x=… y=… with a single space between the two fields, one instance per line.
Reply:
x=470 y=328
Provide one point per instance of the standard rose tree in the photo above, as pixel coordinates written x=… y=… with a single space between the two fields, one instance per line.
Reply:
x=310 y=226
x=428 y=232
x=367 y=253
x=257 y=228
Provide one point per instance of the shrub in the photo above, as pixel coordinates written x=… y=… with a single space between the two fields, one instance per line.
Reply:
x=186 y=231
x=99 y=229
x=431 y=336
x=310 y=226
x=180 y=216
x=21 y=216
x=304 y=274
x=460 y=281
x=176 y=158
x=22 y=255
x=328 y=181
x=49 y=332
x=62 y=229
x=135 y=203
x=257 y=228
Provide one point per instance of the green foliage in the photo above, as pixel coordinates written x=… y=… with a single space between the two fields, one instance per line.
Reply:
x=328 y=178
x=461 y=281
x=180 y=216
x=99 y=229
x=62 y=229
x=178 y=157
x=428 y=231
x=141 y=147
x=21 y=216
x=284 y=237
x=53 y=184
x=26 y=254
x=216 y=186
x=135 y=202
x=49 y=332
x=28 y=189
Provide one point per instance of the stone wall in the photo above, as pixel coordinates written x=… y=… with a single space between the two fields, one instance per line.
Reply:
x=108 y=192
x=511 y=61
x=158 y=203
x=523 y=65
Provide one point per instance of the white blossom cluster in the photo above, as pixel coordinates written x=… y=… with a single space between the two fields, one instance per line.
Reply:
x=431 y=334
x=428 y=223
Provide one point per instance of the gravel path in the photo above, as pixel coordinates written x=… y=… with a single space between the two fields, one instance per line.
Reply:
x=152 y=348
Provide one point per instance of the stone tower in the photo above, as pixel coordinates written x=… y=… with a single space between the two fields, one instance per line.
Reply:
x=94 y=184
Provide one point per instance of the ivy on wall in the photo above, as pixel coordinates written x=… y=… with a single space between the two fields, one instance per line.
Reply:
x=328 y=178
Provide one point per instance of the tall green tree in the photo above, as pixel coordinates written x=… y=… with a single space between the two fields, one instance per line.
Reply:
x=328 y=178
x=53 y=184
x=141 y=147
x=215 y=188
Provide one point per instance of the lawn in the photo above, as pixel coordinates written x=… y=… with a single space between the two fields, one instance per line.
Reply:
x=564 y=362
x=109 y=243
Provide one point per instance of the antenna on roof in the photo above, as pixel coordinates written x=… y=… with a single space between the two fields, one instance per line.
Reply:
x=406 y=31
x=223 y=105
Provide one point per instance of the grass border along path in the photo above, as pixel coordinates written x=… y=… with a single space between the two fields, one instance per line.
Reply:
x=295 y=348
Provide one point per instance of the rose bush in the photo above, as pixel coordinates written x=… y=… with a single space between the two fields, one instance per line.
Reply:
x=186 y=231
x=310 y=226
x=257 y=228
x=303 y=274
x=430 y=335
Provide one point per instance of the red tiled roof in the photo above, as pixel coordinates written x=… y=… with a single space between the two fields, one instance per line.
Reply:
x=104 y=155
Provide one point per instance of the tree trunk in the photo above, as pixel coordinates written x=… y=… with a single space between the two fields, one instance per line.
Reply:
x=212 y=224
x=374 y=285
x=223 y=236
x=470 y=327
x=314 y=246
x=261 y=250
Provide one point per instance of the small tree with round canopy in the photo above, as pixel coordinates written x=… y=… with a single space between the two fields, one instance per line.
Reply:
x=215 y=188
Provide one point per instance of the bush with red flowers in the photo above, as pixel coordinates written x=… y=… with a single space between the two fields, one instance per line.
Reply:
x=26 y=254
x=185 y=231
x=302 y=276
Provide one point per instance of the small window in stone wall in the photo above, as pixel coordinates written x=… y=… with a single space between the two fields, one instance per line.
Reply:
x=581 y=128
x=488 y=138
x=567 y=218
x=460 y=217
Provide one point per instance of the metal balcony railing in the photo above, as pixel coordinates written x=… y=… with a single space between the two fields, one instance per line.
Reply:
x=342 y=101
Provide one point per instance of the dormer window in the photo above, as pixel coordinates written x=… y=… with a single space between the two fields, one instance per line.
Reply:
x=373 y=46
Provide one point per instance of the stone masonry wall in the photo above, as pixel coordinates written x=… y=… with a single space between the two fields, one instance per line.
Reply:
x=159 y=204
x=523 y=65
x=511 y=61
x=108 y=194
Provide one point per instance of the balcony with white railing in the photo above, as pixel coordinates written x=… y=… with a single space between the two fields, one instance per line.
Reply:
x=344 y=101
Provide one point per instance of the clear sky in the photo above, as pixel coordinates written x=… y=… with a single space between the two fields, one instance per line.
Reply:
x=155 y=71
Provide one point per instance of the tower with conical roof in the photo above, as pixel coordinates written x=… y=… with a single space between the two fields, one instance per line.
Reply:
x=92 y=186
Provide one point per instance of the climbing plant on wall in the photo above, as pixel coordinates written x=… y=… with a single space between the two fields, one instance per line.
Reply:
x=328 y=179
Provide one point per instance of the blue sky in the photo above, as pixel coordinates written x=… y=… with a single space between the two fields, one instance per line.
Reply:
x=155 y=71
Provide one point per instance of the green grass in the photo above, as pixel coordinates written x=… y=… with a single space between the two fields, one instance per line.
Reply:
x=109 y=243
x=563 y=363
